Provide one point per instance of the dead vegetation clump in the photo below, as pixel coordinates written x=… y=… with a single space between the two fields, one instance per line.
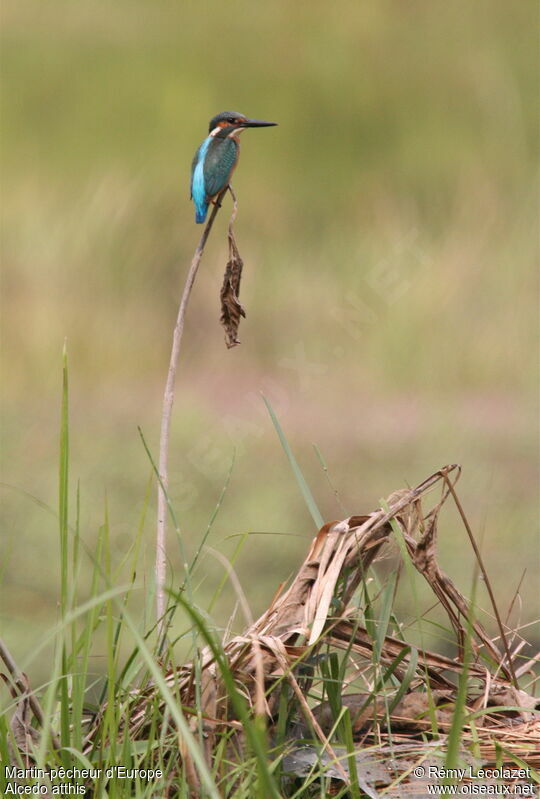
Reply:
x=329 y=684
x=320 y=637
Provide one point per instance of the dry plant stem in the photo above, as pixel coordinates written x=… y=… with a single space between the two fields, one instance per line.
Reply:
x=19 y=683
x=510 y=663
x=261 y=707
x=233 y=215
x=168 y=401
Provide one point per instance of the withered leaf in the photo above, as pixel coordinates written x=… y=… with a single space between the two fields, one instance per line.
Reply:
x=231 y=309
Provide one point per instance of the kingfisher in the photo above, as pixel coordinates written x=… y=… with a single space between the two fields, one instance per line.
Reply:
x=216 y=158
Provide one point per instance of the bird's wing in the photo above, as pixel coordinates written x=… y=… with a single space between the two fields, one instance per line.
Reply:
x=218 y=165
x=193 y=165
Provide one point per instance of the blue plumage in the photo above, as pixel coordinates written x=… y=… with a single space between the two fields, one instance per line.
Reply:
x=216 y=159
x=211 y=171
x=198 y=190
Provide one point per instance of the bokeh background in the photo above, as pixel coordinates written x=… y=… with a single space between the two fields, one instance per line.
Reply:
x=388 y=228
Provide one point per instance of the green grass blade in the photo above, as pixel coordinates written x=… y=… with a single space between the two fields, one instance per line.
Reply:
x=254 y=727
x=172 y=705
x=304 y=488
x=63 y=492
x=453 y=745
x=387 y=601
x=409 y=674
x=63 y=485
x=346 y=726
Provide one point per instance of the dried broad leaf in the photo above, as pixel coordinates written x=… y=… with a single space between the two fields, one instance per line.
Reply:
x=231 y=310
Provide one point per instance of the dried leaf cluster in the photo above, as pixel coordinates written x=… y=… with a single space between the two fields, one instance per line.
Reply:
x=397 y=722
x=316 y=615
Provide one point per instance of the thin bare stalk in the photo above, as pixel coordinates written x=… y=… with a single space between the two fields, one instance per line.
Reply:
x=233 y=215
x=509 y=667
x=20 y=684
x=168 y=401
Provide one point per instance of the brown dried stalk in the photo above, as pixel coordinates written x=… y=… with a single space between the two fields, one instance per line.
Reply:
x=20 y=685
x=164 y=438
x=509 y=665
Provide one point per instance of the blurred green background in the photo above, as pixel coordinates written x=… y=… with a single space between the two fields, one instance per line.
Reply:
x=388 y=228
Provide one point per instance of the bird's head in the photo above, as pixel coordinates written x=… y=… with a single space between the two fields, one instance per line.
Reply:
x=230 y=122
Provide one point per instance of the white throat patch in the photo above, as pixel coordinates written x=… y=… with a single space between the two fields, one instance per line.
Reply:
x=229 y=135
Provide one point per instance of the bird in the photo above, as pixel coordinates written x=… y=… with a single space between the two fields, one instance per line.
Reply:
x=216 y=158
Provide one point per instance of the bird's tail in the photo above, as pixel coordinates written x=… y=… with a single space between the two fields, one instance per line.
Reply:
x=200 y=214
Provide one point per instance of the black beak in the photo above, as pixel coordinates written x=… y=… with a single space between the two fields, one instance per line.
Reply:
x=257 y=123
